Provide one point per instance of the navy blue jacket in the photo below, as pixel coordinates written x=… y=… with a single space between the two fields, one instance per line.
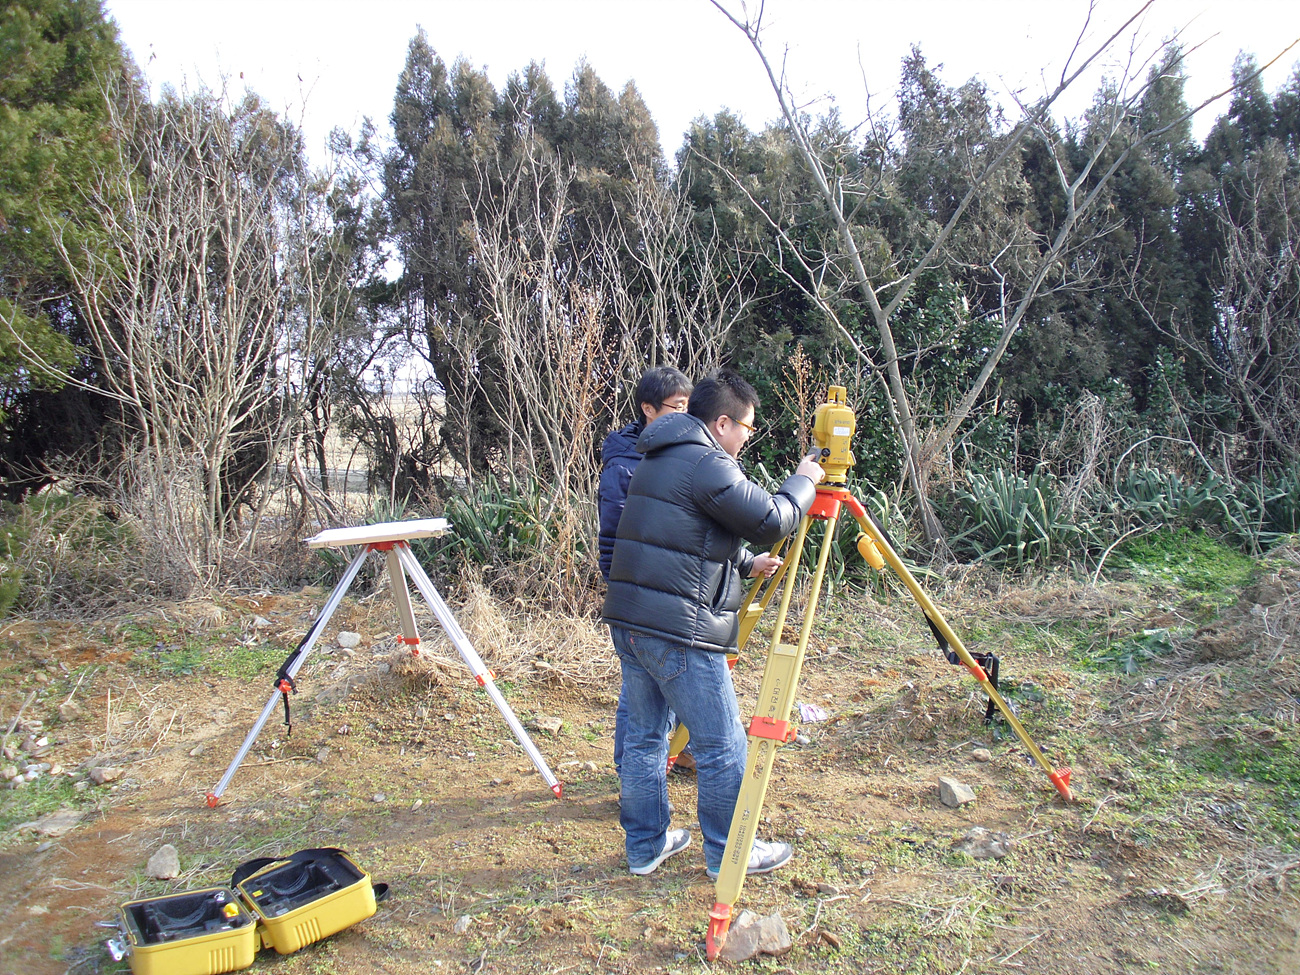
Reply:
x=618 y=459
x=679 y=560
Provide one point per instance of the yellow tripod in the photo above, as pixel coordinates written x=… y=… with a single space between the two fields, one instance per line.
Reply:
x=770 y=728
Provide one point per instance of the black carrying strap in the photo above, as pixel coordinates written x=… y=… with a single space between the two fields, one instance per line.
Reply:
x=250 y=867
x=285 y=684
x=988 y=663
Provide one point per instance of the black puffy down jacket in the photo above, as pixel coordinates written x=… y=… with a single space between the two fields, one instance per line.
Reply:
x=679 y=562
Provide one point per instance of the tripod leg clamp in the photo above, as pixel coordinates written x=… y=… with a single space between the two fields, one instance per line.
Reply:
x=286 y=685
x=778 y=731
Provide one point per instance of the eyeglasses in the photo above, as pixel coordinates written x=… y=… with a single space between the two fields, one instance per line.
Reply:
x=748 y=426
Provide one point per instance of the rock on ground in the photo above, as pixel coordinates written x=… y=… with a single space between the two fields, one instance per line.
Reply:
x=983 y=844
x=954 y=793
x=751 y=936
x=165 y=864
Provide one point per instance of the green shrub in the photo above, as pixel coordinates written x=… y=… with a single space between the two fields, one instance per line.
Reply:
x=1013 y=520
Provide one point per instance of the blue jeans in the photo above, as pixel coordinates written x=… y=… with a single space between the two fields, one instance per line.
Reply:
x=620 y=727
x=658 y=675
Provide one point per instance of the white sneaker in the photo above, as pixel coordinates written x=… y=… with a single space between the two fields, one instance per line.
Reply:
x=675 y=840
x=764 y=858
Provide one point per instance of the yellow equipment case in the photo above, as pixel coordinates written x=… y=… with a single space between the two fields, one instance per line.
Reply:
x=200 y=932
x=305 y=897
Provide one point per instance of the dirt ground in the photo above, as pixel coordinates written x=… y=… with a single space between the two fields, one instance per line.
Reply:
x=406 y=764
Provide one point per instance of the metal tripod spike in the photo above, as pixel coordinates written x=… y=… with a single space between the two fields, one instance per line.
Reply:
x=390 y=539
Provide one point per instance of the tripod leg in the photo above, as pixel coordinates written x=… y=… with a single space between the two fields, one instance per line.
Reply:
x=475 y=663
x=1060 y=778
x=769 y=729
x=402 y=599
x=299 y=657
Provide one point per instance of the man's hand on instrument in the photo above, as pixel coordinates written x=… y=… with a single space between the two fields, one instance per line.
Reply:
x=810 y=469
x=764 y=565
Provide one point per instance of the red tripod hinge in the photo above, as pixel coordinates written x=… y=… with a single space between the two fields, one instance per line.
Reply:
x=780 y=731
x=484 y=678
x=283 y=686
x=977 y=672
x=411 y=641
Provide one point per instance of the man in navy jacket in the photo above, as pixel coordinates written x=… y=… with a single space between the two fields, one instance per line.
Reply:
x=660 y=392
x=675 y=584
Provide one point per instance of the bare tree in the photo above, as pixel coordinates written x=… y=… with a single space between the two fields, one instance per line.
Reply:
x=678 y=310
x=566 y=321
x=205 y=310
x=1044 y=258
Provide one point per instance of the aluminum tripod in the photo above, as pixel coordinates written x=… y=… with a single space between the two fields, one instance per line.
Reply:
x=392 y=539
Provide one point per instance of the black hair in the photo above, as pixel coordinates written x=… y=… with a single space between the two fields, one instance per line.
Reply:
x=725 y=393
x=657 y=385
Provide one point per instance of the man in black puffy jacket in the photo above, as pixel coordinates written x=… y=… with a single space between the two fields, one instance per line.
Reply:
x=675 y=585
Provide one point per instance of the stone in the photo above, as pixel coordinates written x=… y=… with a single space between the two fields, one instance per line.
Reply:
x=462 y=924
x=983 y=844
x=323 y=754
x=197 y=750
x=379 y=797
x=69 y=711
x=954 y=793
x=982 y=755
x=774 y=937
x=56 y=823
x=9 y=772
x=751 y=936
x=104 y=774
x=546 y=723
x=261 y=622
x=348 y=639
x=165 y=864
x=742 y=939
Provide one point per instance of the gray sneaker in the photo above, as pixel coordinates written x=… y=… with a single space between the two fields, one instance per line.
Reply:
x=675 y=840
x=764 y=858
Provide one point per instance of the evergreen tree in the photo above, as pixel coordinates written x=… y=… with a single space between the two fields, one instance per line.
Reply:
x=59 y=60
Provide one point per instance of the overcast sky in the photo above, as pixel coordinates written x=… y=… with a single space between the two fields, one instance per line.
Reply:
x=330 y=62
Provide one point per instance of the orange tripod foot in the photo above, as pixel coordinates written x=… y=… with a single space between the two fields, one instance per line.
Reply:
x=719 y=922
x=213 y=799
x=1061 y=779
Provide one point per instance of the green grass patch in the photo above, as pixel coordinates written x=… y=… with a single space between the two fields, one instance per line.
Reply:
x=1189 y=560
x=177 y=652
x=1267 y=755
x=37 y=798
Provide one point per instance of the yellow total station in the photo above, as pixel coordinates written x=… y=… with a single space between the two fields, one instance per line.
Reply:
x=833 y=426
